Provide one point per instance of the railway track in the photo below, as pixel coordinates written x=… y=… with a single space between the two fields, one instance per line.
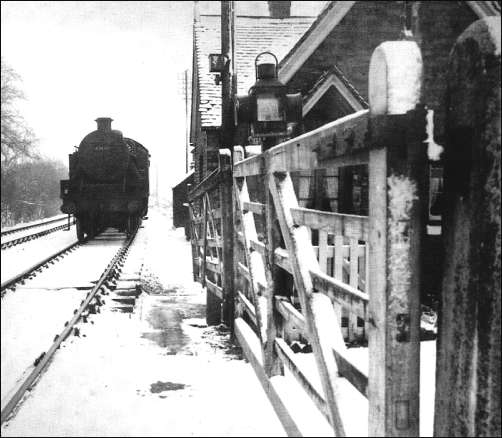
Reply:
x=32 y=270
x=90 y=304
x=24 y=233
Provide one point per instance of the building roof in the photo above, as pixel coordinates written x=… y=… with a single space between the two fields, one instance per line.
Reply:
x=329 y=18
x=253 y=35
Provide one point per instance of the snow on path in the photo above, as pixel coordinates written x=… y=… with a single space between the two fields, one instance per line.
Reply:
x=157 y=372
x=32 y=315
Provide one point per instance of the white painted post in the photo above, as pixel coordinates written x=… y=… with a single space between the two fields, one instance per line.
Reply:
x=395 y=227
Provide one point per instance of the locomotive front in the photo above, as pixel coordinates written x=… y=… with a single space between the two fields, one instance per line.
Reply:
x=108 y=182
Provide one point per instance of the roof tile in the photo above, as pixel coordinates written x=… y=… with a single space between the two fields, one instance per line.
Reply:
x=253 y=35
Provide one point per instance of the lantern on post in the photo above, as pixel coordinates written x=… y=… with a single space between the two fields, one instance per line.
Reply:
x=267 y=107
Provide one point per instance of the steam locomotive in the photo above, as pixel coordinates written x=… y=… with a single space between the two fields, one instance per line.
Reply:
x=108 y=182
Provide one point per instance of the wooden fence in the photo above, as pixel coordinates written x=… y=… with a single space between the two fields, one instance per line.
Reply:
x=277 y=271
x=360 y=279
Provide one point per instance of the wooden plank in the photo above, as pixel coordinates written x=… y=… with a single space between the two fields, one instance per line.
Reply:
x=323 y=254
x=353 y=158
x=321 y=320
x=249 y=167
x=258 y=246
x=397 y=168
x=255 y=264
x=204 y=246
x=353 y=281
x=345 y=367
x=338 y=272
x=244 y=271
x=214 y=289
x=338 y=289
x=255 y=207
x=273 y=364
x=211 y=242
x=250 y=345
x=281 y=259
x=350 y=225
x=213 y=265
x=247 y=305
x=310 y=150
x=351 y=372
x=288 y=358
x=208 y=184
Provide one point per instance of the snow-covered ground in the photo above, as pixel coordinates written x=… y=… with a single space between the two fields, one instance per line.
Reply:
x=36 y=311
x=160 y=371
x=20 y=257
x=156 y=372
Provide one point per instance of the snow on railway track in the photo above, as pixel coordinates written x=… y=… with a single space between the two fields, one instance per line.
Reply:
x=59 y=297
x=23 y=233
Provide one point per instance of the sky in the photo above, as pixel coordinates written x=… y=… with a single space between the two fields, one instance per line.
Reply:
x=83 y=60
x=80 y=60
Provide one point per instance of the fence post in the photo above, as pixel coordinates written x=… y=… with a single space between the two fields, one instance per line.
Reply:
x=238 y=253
x=468 y=355
x=273 y=365
x=227 y=237
x=397 y=162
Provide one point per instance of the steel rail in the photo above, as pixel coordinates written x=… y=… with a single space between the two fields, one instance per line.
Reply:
x=9 y=282
x=28 y=237
x=15 y=229
x=45 y=357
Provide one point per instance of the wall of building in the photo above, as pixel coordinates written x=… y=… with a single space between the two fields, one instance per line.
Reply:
x=350 y=45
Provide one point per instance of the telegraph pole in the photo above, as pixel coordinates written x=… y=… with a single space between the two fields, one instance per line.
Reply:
x=227 y=140
x=227 y=76
x=187 y=127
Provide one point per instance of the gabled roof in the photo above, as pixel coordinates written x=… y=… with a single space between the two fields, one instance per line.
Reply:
x=333 y=78
x=253 y=35
x=329 y=18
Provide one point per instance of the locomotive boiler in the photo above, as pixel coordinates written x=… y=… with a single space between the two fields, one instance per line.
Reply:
x=108 y=182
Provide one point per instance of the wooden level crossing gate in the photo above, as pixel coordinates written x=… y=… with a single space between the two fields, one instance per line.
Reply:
x=253 y=250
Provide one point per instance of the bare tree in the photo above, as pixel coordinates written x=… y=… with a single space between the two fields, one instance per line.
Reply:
x=18 y=140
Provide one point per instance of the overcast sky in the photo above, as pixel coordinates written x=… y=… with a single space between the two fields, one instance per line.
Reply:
x=79 y=60
x=82 y=60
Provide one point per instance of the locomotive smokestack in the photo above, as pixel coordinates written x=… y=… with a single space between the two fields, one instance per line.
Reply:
x=104 y=124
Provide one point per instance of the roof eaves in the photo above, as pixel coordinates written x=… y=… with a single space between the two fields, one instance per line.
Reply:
x=333 y=77
x=315 y=35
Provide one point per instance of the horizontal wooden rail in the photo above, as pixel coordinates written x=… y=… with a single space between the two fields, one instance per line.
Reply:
x=281 y=259
x=209 y=183
x=244 y=271
x=212 y=242
x=339 y=291
x=255 y=207
x=214 y=288
x=351 y=372
x=213 y=265
x=345 y=367
x=288 y=358
x=349 y=225
x=257 y=246
x=290 y=314
x=247 y=306
x=342 y=140
x=251 y=347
